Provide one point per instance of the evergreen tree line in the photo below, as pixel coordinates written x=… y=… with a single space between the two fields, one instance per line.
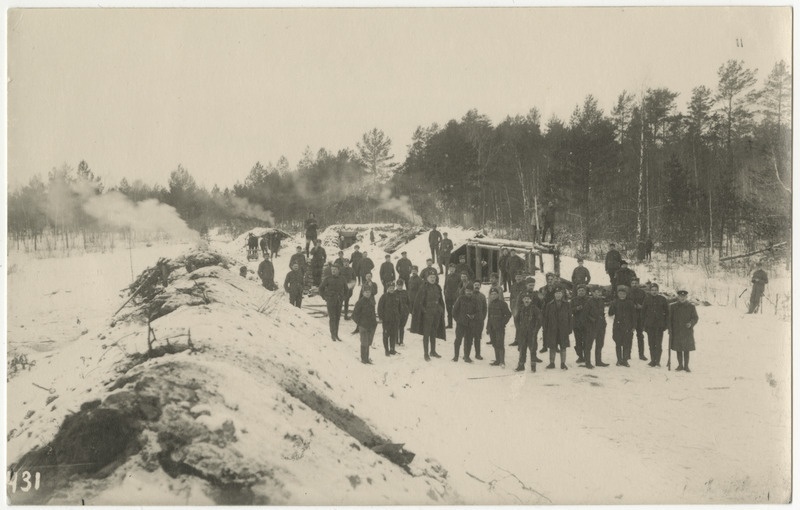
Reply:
x=713 y=177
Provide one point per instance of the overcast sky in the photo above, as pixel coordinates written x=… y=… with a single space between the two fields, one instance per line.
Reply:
x=135 y=93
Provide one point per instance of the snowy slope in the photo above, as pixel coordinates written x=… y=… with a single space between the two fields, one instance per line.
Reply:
x=613 y=435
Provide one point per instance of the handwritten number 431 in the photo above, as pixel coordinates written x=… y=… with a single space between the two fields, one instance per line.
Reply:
x=25 y=482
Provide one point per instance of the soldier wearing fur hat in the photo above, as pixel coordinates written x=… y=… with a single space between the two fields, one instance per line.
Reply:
x=682 y=319
x=624 y=312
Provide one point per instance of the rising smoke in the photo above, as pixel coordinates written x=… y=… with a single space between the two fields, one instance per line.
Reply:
x=401 y=206
x=242 y=207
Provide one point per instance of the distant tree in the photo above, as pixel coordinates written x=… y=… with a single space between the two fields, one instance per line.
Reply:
x=374 y=153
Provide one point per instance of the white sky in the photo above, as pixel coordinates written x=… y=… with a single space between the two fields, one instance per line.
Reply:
x=135 y=92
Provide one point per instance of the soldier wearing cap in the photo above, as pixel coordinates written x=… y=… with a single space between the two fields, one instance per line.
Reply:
x=624 y=312
x=597 y=331
x=404 y=267
x=484 y=306
x=350 y=278
x=529 y=320
x=414 y=284
x=452 y=284
x=516 y=291
x=427 y=318
x=429 y=269
x=390 y=310
x=355 y=261
x=333 y=290
x=654 y=317
x=557 y=325
x=494 y=283
x=580 y=275
x=405 y=307
x=339 y=259
x=467 y=313
x=387 y=273
x=637 y=295
x=463 y=266
x=582 y=323
x=498 y=315
x=682 y=319
x=365 y=265
x=445 y=250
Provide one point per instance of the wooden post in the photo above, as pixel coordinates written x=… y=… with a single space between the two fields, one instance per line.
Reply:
x=491 y=260
x=478 y=266
x=469 y=255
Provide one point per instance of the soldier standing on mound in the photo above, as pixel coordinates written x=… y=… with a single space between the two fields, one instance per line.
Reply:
x=682 y=319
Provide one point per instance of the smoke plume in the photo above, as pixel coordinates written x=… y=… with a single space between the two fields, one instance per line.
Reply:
x=113 y=209
x=401 y=206
x=242 y=207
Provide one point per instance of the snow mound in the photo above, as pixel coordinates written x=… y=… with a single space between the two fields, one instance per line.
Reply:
x=238 y=399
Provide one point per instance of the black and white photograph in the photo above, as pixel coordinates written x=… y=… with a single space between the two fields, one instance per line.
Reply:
x=352 y=255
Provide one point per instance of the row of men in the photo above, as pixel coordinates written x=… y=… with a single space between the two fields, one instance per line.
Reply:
x=269 y=243
x=546 y=309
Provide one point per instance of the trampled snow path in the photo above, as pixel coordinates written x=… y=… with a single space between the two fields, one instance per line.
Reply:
x=613 y=435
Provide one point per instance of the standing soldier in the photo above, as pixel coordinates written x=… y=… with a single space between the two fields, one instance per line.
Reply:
x=648 y=249
x=580 y=275
x=625 y=275
x=364 y=317
x=463 y=266
x=318 y=257
x=311 y=231
x=339 y=259
x=582 y=324
x=405 y=310
x=530 y=319
x=262 y=243
x=515 y=263
x=434 y=238
x=293 y=285
x=365 y=266
x=498 y=315
x=355 y=263
x=494 y=283
x=467 y=311
x=367 y=283
x=371 y=236
x=389 y=312
x=387 y=273
x=299 y=258
x=638 y=294
x=502 y=266
x=445 y=250
x=404 y=267
x=463 y=283
x=549 y=216
x=484 y=306
x=266 y=271
x=333 y=290
x=624 y=312
x=655 y=312
x=759 y=280
x=516 y=293
x=682 y=318
x=275 y=244
x=427 y=318
x=350 y=279
x=613 y=259
x=252 y=246
x=556 y=327
x=429 y=269
x=597 y=329
x=451 y=286
x=414 y=284
x=550 y=287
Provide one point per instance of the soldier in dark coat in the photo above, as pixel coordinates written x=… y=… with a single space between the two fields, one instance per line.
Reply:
x=364 y=317
x=581 y=322
x=625 y=275
x=515 y=263
x=494 y=283
x=613 y=259
x=463 y=266
x=414 y=283
x=293 y=285
x=390 y=310
x=445 y=250
x=318 y=257
x=404 y=267
x=556 y=327
x=387 y=273
x=311 y=231
x=596 y=332
x=517 y=289
x=355 y=263
x=434 y=238
x=365 y=266
x=648 y=249
x=427 y=318
x=371 y=236
x=654 y=319
x=372 y=286
x=300 y=259
x=405 y=307
x=452 y=282
x=339 y=259
x=333 y=290
x=498 y=315
x=252 y=244
x=759 y=280
x=266 y=271
x=624 y=312
x=429 y=269
x=464 y=283
x=484 y=308
x=274 y=242
x=681 y=322
x=467 y=313
x=550 y=287
x=549 y=217
x=262 y=243
x=637 y=295
x=350 y=278
x=502 y=266
x=580 y=275
x=529 y=321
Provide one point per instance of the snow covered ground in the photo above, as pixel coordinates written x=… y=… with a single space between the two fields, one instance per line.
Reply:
x=481 y=434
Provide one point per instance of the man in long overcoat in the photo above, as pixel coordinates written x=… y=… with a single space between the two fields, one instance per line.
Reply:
x=682 y=319
x=556 y=327
x=427 y=317
x=467 y=313
x=759 y=280
x=434 y=238
x=293 y=285
x=655 y=311
x=404 y=267
x=445 y=250
x=624 y=312
x=498 y=315
x=333 y=290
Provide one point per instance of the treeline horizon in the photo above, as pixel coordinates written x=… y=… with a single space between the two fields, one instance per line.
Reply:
x=711 y=178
